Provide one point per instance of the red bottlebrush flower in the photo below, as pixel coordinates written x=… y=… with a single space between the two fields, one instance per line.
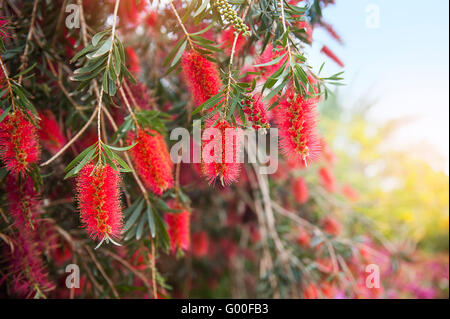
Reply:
x=256 y=112
x=303 y=239
x=327 y=179
x=200 y=244
x=300 y=190
x=227 y=38
x=178 y=227
x=152 y=160
x=350 y=193
x=296 y=119
x=24 y=204
x=310 y=292
x=331 y=226
x=50 y=134
x=129 y=11
x=151 y=19
x=326 y=50
x=98 y=196
x=220 y=153
x=332 y=32
x=28 y=276
x=201 y=75
x=3 y=28
x=133 y=63
x=19 y=147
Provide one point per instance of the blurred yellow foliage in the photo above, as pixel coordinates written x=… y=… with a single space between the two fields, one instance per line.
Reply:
x=405 y=196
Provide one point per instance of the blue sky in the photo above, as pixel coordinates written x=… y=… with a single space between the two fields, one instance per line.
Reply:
x=403 y=64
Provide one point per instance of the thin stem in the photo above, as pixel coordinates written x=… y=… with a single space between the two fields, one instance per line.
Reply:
x=133 y=171
x=180 y=22
x=130 y=267
x=102 y=271
x=8 y=82
x=133 y=116
x=283 y=18
x=23 y=58
x=100 y=104
x=155 y=293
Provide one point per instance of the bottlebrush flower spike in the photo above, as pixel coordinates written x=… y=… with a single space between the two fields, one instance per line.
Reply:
x=152 y=160
x=18 y=143
x=133 y=63
x=201 y=75
x=178 y=227
x=331 y=226
x=129 y=11
x=326 y=50
x=296 y=119
x=200 y=244
x=28 y=276
x=350 y=193
x=50 y=134
x=332 y=32
x=303 y=238
x=24 y=204
x=327 y=179
x=98 y=196
x=220 y=153
x=300 y=190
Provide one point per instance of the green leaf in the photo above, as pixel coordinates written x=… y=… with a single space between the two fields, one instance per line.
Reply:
x=79 y=157
x=80 y=165
x=173 y=52
x=209 y=103
x=134 y=215
x=121 y=149
x=151 y=222
x=97 y=37
x=105 y=47
x=179 y=54
x=121 y=162
x=140 y=228
x=274 y=61
x=4 y=113
x=84 y=51
x=91 y=66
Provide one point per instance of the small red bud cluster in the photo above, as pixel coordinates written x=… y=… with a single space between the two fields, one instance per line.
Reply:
x=256 y=112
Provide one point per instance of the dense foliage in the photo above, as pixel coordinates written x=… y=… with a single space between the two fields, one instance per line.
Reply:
x=88 y=102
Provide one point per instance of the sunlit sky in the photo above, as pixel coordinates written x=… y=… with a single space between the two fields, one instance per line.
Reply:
x=403 y=64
